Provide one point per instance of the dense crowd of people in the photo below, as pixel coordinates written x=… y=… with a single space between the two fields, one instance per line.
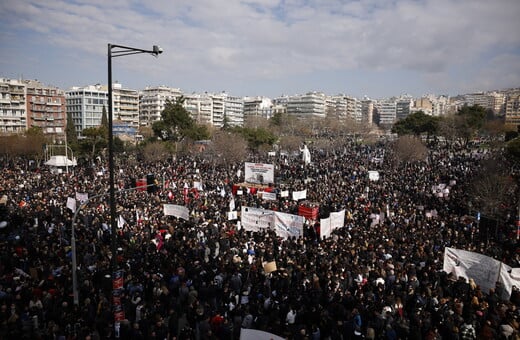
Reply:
x=204 y=278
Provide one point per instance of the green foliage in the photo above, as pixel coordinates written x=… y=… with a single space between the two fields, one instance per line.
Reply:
x=70 y=130
x=256 y=137
x=197 y=132
x=474 y=116
x=416 y=123
x=95 y=138
x=176 y=122
x=276 y=119
x=513 y=150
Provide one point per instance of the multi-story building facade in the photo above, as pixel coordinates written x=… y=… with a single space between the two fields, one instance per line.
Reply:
x=386 y=112
x=481 y=99
x=218 y=110
x=258 y=107
x=13 y=108
x=233 y=110
x=354 y=109
x=85 y=106
x=152 y=101
x=336 y=106
x=125 y=105
x=311 y=104
x=403 y=107
x=512 y=108
x=200 y=107
x=46 y=109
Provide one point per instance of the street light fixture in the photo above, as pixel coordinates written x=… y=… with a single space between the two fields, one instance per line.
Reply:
x=113 y=52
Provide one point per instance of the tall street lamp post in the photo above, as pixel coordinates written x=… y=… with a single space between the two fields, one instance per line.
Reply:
x=113 y=52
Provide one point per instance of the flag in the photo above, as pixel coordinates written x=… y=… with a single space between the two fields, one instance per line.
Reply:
x=223 y=192
x=71 y=204
x=232 y=203
x=121 y=222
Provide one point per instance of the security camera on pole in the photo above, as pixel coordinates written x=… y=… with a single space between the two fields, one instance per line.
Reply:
x=117 y=275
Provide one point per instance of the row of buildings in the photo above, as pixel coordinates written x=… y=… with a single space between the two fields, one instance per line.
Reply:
x=29 y=103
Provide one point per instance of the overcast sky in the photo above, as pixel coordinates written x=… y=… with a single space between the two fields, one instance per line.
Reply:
x=268 y=48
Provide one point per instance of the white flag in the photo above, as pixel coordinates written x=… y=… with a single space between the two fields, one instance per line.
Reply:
x=232 y=203
x=121 y=222
x=71 y=204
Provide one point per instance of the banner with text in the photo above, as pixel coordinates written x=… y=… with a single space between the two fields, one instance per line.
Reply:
x=484 y=270
x=178 y=211
x=259 y=173
x=288 y=225
x=299 y=195
x=255 y=219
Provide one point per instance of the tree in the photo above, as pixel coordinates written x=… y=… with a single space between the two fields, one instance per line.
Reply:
x=227 y=147
x=34 y=141
x=175 y=122
x=492 y=190
x=408 y=149
x=256 y=137
x=470 y=121
x=513 y=151
x=71 y=135
x=416 y=124
x=256 y=122
x=94 y=138
x=155 y=151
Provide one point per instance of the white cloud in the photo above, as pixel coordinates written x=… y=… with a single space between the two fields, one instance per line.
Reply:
x=269 y=39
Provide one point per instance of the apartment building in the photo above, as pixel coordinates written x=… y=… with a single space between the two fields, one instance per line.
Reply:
x=336 y=106
x=311 y=104
x=512 y=108
x=354 y=108
x=386 y=110
x=13 y=108
x=46 y=109
x=152 y=101
x=403 y=107
x=258 y=107
x=125 y=105
x=85 y=106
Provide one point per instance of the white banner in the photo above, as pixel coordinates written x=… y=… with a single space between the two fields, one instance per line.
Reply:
x=253 y=334
x=299 y=195
x=270 y=196
x=288 y=225
x=178 y=211
x=259 y=173
x=232 y=215
x=509 y=277
x=81 y=196
x=198 y=185
x=337 y=220
x=71 y=204
x=373 y=175
x=484 y=270
x=255 y=219
x=284 y=193
x=325 y=228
